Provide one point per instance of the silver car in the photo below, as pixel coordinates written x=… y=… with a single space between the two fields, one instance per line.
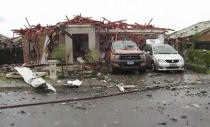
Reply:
x=163 y=57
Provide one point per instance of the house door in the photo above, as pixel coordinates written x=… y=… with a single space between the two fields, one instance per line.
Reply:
x=80 y=45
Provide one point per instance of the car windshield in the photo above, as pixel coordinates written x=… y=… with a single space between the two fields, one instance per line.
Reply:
x=124 y=46
x=164 y=49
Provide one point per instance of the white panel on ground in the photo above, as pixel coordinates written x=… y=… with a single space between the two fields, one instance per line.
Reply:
x=31 y=79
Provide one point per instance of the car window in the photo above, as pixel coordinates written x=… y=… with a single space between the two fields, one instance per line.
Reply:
x=124 y=45
x=148 y=48
x=164 y=49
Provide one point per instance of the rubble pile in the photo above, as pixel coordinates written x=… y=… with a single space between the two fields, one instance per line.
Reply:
x=8 y=68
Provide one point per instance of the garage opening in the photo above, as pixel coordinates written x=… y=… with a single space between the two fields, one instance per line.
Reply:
x=80 y=45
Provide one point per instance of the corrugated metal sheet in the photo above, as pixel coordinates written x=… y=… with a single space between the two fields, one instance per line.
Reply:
x=191 y=30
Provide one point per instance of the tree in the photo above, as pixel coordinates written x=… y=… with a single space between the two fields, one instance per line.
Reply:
x=59 y=54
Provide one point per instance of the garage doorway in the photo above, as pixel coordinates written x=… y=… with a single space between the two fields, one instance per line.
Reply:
x=80 y=45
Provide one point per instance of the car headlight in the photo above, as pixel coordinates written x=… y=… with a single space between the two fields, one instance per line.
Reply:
x=115 y=56
x=181 y=60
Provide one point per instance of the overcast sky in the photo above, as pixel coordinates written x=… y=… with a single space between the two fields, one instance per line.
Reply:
x=174 y=14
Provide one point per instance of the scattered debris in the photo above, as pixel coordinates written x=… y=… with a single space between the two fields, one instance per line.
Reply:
x=22 y=112
x=75 y=83
x=203 y=92
x=87 y=72
x=174 y=119
x=33 y=80
x=80 y=60
x=107 y=78
x=183 y=117
x=122 y=87
x=129 y=86
x=155 y=82
x=194 y=105
x=153 y=87
x=104 y=81
x=149 y=95
x=78 y=106
x=63 y=103
x=163 y=123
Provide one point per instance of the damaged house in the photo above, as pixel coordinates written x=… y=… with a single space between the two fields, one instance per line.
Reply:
x=196 y=36
x=10 y=50
x=81 y=34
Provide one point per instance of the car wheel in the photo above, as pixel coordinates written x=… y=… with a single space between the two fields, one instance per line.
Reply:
x=153 y=66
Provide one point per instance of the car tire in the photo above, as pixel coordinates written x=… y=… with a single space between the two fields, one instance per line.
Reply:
x=180 y=71
x=153 y=66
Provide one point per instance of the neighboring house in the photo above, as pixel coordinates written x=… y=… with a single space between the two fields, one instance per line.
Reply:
x=196 y=36
x=81 y=34
x=3 y=41
x=10 y=50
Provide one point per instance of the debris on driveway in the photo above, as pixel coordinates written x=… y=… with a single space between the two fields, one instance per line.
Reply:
x=174 y=119
x=33 y=80
x=192 y=105
x=75 y=83
x=122 y=87
x=163 y=123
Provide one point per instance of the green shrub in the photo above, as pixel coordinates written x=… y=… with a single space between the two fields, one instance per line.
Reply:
x=200 y=57
x=197 y=68
x=92 y=56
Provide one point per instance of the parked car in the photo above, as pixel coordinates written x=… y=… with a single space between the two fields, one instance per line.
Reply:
x=163 y=57
x=124 y=55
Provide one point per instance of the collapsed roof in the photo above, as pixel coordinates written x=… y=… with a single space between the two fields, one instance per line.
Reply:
x=79 y=20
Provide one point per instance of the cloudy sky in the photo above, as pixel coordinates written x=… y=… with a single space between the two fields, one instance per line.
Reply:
x=174 y=14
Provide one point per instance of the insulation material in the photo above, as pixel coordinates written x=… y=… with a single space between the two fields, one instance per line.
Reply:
x=31 y=79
